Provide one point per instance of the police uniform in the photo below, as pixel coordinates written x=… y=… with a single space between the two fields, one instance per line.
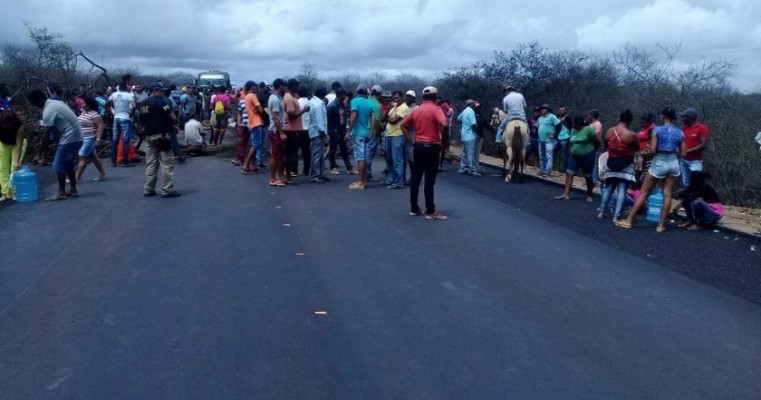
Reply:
x=155 y=117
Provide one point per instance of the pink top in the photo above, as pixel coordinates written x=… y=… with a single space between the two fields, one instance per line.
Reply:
x=718 y=208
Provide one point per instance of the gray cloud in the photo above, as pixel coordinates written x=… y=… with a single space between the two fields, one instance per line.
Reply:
x=264 y=39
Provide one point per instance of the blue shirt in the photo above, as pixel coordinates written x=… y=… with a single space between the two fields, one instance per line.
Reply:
x=546 y=125
x=318 y=117
x=364 y=109
x=467 y=118
x=102 y=101
x=564 y=132
x=188 y=104
x=669 y=138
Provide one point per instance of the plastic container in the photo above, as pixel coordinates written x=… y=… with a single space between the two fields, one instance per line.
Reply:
x=654 y=205
x=24 y=184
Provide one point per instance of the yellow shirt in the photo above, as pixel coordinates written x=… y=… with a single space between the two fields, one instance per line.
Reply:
x=393 y=130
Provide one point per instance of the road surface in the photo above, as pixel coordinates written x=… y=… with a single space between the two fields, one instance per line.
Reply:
x=239 y=290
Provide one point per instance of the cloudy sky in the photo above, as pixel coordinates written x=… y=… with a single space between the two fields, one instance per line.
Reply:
x=260 y=40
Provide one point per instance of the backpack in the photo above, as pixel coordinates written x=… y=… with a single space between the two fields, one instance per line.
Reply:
x=219 y=107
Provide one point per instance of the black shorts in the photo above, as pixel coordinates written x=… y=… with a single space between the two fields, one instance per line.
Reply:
x=220 y=121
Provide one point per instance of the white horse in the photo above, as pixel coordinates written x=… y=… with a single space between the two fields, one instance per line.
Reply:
x=515 y=139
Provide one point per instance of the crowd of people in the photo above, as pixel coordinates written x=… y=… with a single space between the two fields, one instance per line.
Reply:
x=320 y=125
x=628 y=165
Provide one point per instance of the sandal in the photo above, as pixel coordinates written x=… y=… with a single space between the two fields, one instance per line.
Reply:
x=70 y=194
x=622 y=224
x=660 y=229
x=562 y=197
x=694 y=227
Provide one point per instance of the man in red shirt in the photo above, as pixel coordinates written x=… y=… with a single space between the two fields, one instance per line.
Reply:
x=695 y=137
x=430 y=124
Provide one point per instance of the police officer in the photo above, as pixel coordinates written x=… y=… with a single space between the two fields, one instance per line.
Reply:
x=158 y=120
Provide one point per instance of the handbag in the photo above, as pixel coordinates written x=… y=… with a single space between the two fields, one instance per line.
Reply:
x=619 y=163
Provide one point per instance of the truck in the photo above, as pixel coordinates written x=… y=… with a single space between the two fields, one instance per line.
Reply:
x=213 y=78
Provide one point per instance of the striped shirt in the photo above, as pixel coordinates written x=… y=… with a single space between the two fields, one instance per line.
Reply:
x=243 y=113
x=87 y=124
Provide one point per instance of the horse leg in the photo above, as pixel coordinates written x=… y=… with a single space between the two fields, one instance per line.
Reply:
x=511 y=160
x=504 y=163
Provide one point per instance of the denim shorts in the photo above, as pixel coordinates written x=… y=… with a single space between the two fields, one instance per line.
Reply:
x=585 y=163
x=65 y=155
x=664 y=164
x=360 y=144
x=257 y=137
x=88 y=147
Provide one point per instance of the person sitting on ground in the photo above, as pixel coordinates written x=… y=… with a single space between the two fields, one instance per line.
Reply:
x=668 y=143
x=194 y=138
x=583 y=141
x=701 y=202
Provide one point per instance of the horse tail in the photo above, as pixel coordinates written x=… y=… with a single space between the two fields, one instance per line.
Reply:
x=518 y=147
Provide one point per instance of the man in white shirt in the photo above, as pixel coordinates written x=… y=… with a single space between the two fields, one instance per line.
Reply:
x=193 y=132
x=123 y=103
x=194 y=138
x=514 y=105
x=332 y=95
x=318 y=127
x=304 y=141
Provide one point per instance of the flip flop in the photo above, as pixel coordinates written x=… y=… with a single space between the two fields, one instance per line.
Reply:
x=660 y=229
x=622 y=224
x=69 y=194
x=562 y=197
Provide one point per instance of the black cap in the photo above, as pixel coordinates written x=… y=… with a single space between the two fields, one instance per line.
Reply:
x=249 y=84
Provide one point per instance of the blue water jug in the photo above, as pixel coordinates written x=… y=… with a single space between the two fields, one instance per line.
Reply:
x=24 y=184
x=654 y=205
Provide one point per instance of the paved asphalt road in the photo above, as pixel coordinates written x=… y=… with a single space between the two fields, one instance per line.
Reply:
x=215 y=295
